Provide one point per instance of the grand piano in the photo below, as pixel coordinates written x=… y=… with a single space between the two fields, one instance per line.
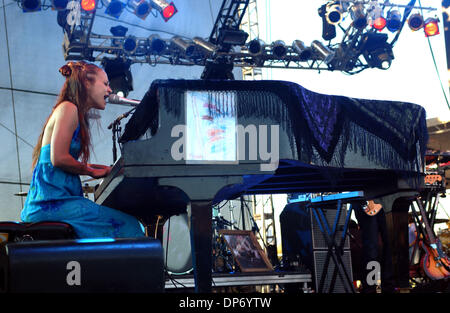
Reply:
x=193 y=143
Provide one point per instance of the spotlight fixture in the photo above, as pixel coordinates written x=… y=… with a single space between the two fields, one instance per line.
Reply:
x=219 y=69
x=205 y=45
x=323 y=52
x=376 y=50
x=130 y=45
x=303 y=52
x=415 y=21
x=88 y=5
x=379 y=23
x=375 y=15
x=156 y=44
x=333 y=13
x=167 y=10
x=279 y=48
x=393 y=21
x=358 y=16
x=328 y=30
x=431 y=27
x=232 y=37
x=113 y=7
x=141 y=8
x=117 y=31
x=30 y=5
x=60 y=4
x=187 y=47
x=255 y=46
x=119 y=75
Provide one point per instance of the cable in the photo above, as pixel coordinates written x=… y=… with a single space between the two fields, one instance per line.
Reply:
x=210 y=11
x=435 y=65
x=12 y=98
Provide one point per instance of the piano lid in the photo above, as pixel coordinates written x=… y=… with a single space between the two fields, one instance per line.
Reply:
x=321 y=127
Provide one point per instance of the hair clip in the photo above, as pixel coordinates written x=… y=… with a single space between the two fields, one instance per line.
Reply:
x=66 y=70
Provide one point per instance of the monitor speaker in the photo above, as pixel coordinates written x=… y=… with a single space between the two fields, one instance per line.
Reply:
x=82 y=265
x=303 y=239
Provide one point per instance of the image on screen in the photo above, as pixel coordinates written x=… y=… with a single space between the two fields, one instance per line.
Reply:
x=211 y=127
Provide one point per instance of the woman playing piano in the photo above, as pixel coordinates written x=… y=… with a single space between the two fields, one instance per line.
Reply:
x=62 y=154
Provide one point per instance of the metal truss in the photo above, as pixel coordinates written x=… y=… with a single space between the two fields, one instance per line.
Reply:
x=80 y=43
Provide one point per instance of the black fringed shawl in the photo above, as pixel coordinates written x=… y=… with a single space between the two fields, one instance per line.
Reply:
x=321 y=127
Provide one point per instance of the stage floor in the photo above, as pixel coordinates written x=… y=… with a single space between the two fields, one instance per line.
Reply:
x=242 y=279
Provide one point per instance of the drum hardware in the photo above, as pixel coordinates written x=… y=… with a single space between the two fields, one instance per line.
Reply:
x=88 y=189
x=176 y=243
x=223 y=261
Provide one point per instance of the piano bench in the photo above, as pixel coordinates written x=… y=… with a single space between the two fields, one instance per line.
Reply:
x=45 y=230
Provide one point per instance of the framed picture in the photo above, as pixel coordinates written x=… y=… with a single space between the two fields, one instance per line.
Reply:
x=246 y=250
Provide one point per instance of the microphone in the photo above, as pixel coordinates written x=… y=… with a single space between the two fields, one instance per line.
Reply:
x=115 y=99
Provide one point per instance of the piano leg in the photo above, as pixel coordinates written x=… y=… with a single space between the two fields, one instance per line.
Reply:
x=396 y=208
x=201 y=245
x=397 y=224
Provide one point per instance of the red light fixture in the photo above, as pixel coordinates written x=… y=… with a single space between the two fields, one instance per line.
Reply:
x=431 y=27
x=379 y=23
x=167 y=10
x=88 y=5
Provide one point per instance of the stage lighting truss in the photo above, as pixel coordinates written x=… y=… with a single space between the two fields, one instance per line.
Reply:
x=365 y=43
x=114 y=8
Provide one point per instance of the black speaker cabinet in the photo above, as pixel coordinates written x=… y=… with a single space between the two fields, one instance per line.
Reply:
x=82 y=265
x=302 y=239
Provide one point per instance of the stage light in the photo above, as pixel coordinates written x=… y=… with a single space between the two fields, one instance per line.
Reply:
x=205 y=45
x=323 y=52
x=59 y=4
x=232 y=37
x=117 y=31
x=377 y=51
x=379 y=23
x=431 y=27
x=376 y=18
x=279 y=48
x=218 y=69
x=130 y=45
x=113 y=7
x=187 y=47
x=141 y=8
x=333 y=13
x=164 y=8
x=30 y=5
x=415 y=21
x=393 y=21
x=119 y=75
x=328 y=30
x=156 y=44
x=358 y=16
x=255 y=46
x=303 y=52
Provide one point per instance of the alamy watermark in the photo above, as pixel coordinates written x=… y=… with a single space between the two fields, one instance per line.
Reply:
x=374 y=275
x=73 y=277
x=233 y=145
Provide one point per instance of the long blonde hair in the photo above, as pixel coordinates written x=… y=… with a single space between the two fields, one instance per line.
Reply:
x=74 y=90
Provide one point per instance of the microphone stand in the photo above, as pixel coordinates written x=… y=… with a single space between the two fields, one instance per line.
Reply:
x=115 y=126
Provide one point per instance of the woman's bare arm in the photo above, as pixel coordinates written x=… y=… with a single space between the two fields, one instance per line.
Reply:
x=65 y=123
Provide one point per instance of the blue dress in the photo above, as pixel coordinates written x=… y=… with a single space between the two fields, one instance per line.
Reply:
x=56 y=195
